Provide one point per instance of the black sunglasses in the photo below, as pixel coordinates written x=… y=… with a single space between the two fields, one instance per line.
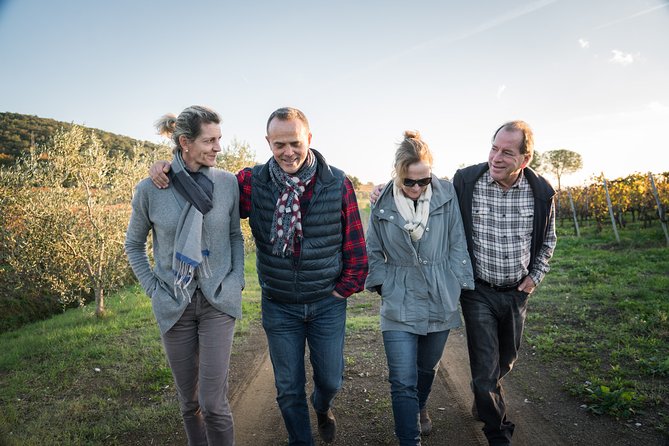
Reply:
x=422 y=182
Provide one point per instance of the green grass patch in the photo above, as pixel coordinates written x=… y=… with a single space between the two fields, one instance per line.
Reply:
x=602 y=312
x=362 y=312
x=76 y=379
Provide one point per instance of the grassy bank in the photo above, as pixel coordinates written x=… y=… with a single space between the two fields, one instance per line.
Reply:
x=78 y=380
x=602 y=317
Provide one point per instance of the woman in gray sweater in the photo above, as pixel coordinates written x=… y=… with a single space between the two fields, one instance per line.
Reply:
x=197 y=276
x=418 y=262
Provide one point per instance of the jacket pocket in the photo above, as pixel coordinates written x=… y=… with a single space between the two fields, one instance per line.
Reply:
x=397 y=304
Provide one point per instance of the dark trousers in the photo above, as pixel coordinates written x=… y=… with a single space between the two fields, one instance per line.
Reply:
x=494 y=321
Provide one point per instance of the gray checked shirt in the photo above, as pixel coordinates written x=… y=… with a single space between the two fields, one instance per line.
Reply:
x=502 y=233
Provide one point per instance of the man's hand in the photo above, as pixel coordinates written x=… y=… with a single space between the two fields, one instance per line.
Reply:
x=527 y=285
x=158 y=173
x=375 y=193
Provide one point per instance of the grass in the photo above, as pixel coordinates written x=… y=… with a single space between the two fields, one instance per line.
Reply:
x=602 y=315
x=78 y=380
x=358 y=317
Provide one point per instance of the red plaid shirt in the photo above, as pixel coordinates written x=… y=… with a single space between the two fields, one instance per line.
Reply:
x=354 y=251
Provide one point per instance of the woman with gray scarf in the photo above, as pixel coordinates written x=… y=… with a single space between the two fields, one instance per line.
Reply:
x=197 y=276
x=418 y=262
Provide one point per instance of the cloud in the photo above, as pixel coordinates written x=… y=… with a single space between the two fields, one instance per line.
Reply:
x=621 y=58
x=657 y=107
x=500 y=90
x=584 y=43
x=633 y=16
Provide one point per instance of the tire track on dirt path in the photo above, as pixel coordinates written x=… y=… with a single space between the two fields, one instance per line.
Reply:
x=257 y=417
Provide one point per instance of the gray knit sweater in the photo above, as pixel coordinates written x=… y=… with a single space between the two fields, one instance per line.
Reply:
x=158 y=211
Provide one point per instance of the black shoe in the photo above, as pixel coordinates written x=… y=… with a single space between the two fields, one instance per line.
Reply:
x=327 y=426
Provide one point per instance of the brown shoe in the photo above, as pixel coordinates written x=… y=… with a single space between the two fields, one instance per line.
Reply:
x=327 y=426
x=425 y=423
x=475 y=412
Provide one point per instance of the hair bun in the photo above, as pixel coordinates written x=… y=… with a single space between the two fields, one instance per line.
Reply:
x=166 y=125
x=411 y=134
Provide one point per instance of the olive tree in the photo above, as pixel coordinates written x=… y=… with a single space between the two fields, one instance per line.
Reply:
x=65 y=210
x=233 y=158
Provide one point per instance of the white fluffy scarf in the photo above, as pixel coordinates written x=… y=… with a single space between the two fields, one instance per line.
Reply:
x=416 y=216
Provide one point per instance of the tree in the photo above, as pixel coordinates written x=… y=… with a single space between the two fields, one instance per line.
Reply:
x=561 y=162
x=536 y=163
x=68 y=203
x=233 y=158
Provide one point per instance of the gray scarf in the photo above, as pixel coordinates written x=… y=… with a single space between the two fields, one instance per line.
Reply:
x=287 y=220
x=190 y=244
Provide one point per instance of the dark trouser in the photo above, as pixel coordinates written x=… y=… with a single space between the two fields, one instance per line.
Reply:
x=494 y=321
x=198 y=350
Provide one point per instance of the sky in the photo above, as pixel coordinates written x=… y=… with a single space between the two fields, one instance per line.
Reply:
x=588 y=76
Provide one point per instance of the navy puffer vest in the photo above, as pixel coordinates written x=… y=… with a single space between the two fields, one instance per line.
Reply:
x=313 y=275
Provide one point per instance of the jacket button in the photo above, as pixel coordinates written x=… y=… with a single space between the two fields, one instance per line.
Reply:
x=392 y=217
x=381 y=211
x=464 y=262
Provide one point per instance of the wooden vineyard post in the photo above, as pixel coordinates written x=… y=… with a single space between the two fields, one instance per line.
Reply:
x=573 y=213
x=608 y=202
x=660 y=209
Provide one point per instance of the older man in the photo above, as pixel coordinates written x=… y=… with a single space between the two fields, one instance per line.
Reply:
x=509 y=218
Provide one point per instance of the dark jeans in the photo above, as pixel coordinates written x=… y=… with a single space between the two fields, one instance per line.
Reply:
x=494 y=321
x=413 y=361
x=288 y=327
x=198 y=349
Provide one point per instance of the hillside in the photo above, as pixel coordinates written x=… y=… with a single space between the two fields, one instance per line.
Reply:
x=19 y=132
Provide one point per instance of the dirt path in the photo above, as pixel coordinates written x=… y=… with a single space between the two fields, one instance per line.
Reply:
x=257 y=418
x=543 y=414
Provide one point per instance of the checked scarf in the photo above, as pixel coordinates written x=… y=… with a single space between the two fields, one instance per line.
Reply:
x=190 y=244
x=287 y=220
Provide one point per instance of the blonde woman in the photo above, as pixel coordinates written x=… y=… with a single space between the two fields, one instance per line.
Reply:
x=418 y=262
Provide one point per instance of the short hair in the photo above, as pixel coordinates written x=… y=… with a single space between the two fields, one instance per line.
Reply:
x=286 y=113
x=188 y=123
x=411 y=150
x=527 y=145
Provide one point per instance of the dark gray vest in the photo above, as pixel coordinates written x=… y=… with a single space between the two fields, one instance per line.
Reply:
x=313 y=275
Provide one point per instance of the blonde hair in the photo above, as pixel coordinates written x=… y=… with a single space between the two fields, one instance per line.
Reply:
x=188 y=123
x=410 y=151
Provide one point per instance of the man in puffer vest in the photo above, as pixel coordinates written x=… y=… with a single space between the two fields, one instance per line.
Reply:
x=311 y=256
